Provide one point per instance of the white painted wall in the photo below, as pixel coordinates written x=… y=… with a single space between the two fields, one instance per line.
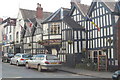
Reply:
x=55 y=36
x=20 y=21
x=1 y=30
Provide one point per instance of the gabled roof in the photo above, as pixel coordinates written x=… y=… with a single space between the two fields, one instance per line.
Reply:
x=71 y=23
x=9 y=21
x=107 y=3
x=110 y=5
x=58 y=15
x=118 y=5
x=28 y=13
x=32 y=14
x=81 y=7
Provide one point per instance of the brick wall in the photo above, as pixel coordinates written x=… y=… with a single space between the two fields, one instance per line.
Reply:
x=118 y=42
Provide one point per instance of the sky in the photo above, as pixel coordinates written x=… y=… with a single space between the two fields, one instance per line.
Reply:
x=10 y=8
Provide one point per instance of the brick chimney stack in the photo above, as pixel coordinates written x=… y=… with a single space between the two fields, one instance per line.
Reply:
x=39 y=11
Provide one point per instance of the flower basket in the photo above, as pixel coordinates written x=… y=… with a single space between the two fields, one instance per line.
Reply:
x=70 y=42
x=29 y=44
x=63 y=48
x=21 y=40
x=40 y=42
x=84 y=50
x=109 y=40
x=12 y=42
x=104 y=50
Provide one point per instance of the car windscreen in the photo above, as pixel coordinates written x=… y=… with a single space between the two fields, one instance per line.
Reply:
x=52 y=57
x=10 y=55
x=26 y=56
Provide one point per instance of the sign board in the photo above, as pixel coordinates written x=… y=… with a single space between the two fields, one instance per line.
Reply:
x=51 y=42
x=102 y=62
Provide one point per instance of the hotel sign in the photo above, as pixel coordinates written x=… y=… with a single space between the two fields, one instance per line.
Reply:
x=52 y=42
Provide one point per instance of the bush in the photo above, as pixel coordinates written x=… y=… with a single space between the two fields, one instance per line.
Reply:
x=87 y=64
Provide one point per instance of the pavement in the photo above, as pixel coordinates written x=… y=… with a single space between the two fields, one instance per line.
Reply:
x=97 y=74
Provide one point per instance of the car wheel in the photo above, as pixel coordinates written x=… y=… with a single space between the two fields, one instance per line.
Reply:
x=10 y=62
x=27 y=66
x=17 y=63
x=3 y=61
x=118 y=77
x=39 y=68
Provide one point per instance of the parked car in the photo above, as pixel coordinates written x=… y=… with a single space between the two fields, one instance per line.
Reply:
x=20 y=59
x=6 y=57
x=116 y=75
x=44 y=61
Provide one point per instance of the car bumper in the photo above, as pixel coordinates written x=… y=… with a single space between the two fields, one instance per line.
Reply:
x=50 y=67
x=114 y=77
x=22 y=62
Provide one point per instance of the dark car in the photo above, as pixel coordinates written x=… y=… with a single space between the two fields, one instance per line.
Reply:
x=7 y=57
x=116 y=75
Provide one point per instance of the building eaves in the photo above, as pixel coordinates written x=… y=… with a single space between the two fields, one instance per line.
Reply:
x=71 y=23
x=57 y=16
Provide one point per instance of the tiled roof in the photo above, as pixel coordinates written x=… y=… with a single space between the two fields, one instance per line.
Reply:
x=28 y=13
x=70 y=22
x=32 y=14
x=110 y=5
x=57 y=15
x=83 y=8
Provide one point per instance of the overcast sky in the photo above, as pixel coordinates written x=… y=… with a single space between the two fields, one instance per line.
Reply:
x=9 y=8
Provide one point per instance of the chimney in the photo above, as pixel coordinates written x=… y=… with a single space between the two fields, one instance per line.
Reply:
x=39 y=11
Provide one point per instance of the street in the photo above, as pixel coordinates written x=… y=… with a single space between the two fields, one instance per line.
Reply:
x=13 y=71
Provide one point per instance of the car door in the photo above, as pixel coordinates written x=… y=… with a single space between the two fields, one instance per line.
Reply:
x=38 y=60
x=31 y=62
x=14 y=59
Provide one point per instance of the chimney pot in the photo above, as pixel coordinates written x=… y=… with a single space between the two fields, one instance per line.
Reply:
x=39 y=11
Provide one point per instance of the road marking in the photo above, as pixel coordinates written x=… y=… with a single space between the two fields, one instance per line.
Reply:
x=14 y=77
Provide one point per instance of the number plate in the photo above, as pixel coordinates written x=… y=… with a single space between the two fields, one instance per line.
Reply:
x=54 y=63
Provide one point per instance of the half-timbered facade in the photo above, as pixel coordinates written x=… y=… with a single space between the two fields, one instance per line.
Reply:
x=74 y=30
x=33 y=32
x=101 y=42
x=52 y=31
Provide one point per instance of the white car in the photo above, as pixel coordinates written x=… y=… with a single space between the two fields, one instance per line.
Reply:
x=44 y=61
x=20 y=59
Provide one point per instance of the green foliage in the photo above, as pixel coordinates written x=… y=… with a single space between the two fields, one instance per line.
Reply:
x=70 y=42
x=87 y=64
